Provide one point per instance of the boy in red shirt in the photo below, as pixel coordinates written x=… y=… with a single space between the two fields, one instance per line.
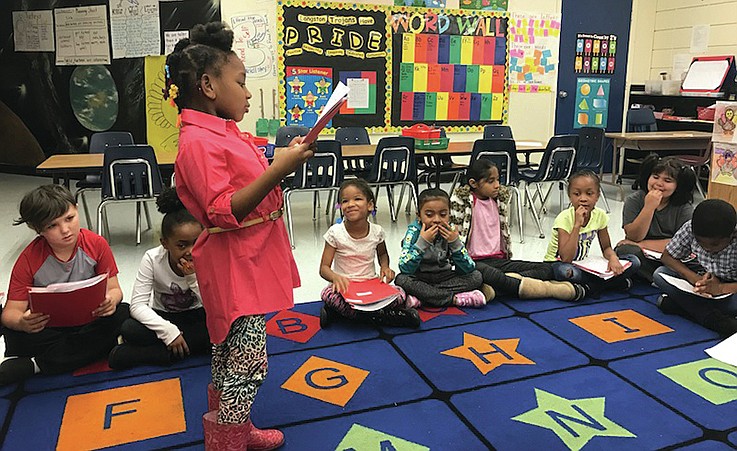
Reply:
x=61 y=253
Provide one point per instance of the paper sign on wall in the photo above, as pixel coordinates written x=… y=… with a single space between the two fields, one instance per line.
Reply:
x=592 y=102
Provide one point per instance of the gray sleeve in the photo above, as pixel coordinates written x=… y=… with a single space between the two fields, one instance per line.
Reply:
x=632 y=207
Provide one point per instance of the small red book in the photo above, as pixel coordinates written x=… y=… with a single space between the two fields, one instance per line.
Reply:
x=69 y=304
x=370 y=295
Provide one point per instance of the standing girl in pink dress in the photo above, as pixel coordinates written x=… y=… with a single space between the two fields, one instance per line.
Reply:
x=244 y=261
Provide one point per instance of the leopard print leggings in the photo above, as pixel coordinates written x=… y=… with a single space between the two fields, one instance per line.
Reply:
x=239 y=367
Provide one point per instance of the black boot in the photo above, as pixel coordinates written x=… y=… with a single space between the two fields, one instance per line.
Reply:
x=328 y=315
x=721 y=323
x=127 y=356
x=15 y=370
x=393 y=318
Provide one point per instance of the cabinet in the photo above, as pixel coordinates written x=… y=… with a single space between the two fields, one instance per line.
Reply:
x=684 y=107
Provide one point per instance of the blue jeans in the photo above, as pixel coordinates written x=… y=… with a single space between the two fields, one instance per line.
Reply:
x=568 y=272
x=697 y=307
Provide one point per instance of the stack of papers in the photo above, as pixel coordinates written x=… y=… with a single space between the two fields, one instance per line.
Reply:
x=685 y=285
x=71 y=303
x=597 y=266
x=336 y=100
x=370 y=295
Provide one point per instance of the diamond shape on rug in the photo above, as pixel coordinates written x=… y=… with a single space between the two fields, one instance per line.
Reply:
x=472 y=355
x=699 y=387
x=437 y=317
x=144 y=412
x=559 y=322
x=95 y=367
x=389 y=380
x=540 y=305
x=84 y=376
x=299 y=328
x=571 y=409
x=417 y=426
x=620 y=326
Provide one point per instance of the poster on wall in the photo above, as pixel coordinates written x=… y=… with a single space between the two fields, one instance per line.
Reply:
x=253 y=44
x=134 y=28
x=724 y=163
x=162 y=132
x=449 y=68
x=321 y=44
x=81 y=36
x=33 y=31
x=534 y=40
x=592 y=102
x=421 y=3
x=308 y=90
x=595 y=53
x=489 y=5
x=725 y=122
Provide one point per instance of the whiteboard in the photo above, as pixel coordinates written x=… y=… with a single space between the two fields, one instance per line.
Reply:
x=706 y=75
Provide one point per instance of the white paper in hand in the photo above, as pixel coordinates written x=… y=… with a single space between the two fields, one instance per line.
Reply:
x=598 y=266
x=336 y=100
x=685 y=286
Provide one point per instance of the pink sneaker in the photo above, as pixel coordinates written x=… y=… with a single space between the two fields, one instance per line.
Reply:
x=473 y=298
x=412 y=302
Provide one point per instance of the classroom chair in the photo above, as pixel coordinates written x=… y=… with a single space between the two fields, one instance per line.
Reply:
x=98 y=143
x=638 y=120
x=590 y=154
x=130 y=174
x=498 y=131
x=697 y=161
x=556 y=165
x=285 y=134
x=429 y=165
x=350 y=136
x=502 y=152
x=322 y=172
x=394 y=164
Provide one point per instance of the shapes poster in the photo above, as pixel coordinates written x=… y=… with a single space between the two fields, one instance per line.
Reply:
x=449 y=68
x=321 y=44
x=308 y=90
x=592 y=102
x=533 y=51
x=489 y=5
x=595 y=53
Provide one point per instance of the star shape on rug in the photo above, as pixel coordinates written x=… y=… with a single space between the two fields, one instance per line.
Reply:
x=574 y=421
x=488 y=354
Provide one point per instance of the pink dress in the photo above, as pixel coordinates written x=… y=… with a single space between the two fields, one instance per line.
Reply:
x=240 y=272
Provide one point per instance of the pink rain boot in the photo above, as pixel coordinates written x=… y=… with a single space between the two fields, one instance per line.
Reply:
x=213 y=398
x=224 y=437
x=263 y=439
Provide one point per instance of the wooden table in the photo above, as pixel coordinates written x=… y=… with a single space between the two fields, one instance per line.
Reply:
x=63 y=166
x=675 y=141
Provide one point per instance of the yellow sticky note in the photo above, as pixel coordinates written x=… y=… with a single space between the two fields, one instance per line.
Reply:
x=485 y=78
x=408 y=48
x=496 y=106
x=441 y=102
x=467 y=50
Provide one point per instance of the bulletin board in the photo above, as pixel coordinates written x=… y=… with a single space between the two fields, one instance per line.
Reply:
x=436 y=66
x=321 y=44
x=450 y=68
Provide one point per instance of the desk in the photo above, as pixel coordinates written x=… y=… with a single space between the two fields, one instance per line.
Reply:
x=62 y=166
x=651 y=142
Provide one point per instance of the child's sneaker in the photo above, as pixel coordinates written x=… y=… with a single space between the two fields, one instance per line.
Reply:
x=581 y=291
x=473 y=298
x=412 y=302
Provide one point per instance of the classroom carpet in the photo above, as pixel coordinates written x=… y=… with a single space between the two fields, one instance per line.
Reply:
x=607 y=373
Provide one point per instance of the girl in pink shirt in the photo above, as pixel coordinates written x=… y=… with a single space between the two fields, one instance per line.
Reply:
x=479 y=210
x=230 y=188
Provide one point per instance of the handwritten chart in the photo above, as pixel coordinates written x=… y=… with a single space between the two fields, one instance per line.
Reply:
x=533 y=51
x=134 y=28
x=81 y=36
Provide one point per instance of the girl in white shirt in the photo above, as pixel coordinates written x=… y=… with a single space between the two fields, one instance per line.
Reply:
x=167 y=318
x=351 y=249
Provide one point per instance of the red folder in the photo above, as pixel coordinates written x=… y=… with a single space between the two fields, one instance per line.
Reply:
x=69 y=304
x=370 y=292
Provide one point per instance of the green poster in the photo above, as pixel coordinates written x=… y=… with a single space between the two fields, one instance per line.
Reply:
x=490 y=5
x=592 y=102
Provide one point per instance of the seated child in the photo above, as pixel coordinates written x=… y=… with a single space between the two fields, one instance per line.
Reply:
x=167 y=320
x=62 y=252
x=574 y=231
x=351 y=248
x=711 y=235
x=435 y=267
x=652 y=215
x=488 y=242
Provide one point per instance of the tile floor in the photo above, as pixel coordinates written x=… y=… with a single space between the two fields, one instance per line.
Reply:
x=308 y=233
